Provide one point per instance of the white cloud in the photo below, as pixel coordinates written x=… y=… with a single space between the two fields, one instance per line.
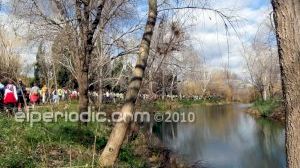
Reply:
x=210 y=38
x=15 y=29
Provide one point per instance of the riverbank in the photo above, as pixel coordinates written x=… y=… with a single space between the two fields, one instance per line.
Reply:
x=64 y=144
x=272 y=109
x=164 y=105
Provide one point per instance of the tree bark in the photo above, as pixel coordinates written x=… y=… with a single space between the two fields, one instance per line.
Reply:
x=86 y=28
x=100 y=92
x=171 y=88
x=264 y=93
x=163 y=85
x=111 y=151
x=83 y=93
x=287 y=22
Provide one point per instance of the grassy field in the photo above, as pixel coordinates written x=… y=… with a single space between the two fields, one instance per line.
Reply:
x=60 y=144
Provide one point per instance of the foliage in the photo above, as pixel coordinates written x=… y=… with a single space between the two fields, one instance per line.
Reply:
x=64 y=77
x=128 y=158
x=38 y=71
x=266 y=107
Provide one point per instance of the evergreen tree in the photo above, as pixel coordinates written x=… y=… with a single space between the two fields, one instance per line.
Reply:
x=38 y=77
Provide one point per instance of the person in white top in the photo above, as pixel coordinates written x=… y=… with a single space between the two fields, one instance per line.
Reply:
x=10 y=96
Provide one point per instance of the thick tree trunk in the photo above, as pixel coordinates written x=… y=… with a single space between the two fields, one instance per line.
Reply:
x=86 y=28
x=111 y=151
x=83 y=94
x=287 y=22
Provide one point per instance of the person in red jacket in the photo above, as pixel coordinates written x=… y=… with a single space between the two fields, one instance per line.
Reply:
x=10 y=96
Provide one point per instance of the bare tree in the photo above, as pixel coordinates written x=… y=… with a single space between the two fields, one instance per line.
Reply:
x=261 y=62
x=75 y=27
x=195 y=74
x=9 y=58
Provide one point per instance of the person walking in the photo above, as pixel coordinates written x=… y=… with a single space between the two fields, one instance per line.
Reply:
x=44 y=93
x=2 y=88
x=60 y=93
x=55 y=96
x=34 y=95
x=21 y=92
x=10 y=97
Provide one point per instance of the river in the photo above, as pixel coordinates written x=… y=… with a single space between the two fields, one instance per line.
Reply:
x=223 y=136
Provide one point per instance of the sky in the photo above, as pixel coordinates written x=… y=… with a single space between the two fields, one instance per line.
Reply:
x=215 y=44
x=207 y=31
x=16 y=29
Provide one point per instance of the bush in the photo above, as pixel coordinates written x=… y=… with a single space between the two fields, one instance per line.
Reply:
x=128 y=159
x=266 y=107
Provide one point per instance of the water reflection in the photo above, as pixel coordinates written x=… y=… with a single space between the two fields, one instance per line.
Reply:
x=223 y=136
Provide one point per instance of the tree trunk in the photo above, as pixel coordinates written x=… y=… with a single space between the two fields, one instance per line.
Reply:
x=163 y=85
x=86 y=27
x=264 y=93
x=287 y=22
x=100 y=92
x=151 y=93
x=111 y=150
x=172 y=85
x=83 y=93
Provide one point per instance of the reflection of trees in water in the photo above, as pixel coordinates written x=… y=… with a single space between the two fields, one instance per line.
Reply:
x=269 y=144
x=166 y=131
x=217 y=120
x=224 y=131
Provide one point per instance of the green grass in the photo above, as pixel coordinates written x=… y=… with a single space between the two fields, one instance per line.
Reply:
x=53 y=144
x=266 y=108
x=188 y=102
x=48 y=144
x=164 y=105
x=127 y=158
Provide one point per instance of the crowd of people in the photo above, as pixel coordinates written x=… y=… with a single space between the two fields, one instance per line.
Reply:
x=16 y=96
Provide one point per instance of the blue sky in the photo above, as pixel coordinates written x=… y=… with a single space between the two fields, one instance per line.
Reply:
x=3 y=6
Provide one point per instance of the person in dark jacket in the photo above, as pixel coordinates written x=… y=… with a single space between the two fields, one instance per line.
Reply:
x=21 y=92
x=2 y=88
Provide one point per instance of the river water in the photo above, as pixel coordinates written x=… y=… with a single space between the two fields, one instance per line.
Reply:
x=223 y=136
